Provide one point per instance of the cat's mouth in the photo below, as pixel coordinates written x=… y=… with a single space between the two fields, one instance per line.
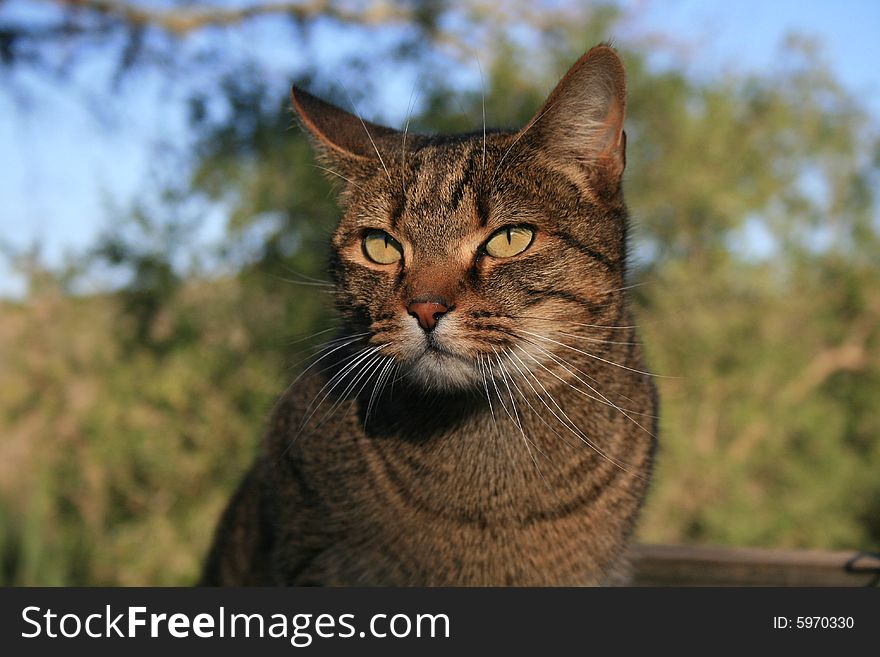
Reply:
x=433 y=344
x=434 y=350
x=438 y=366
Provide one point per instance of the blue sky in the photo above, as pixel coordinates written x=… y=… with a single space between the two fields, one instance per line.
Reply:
x=63 y=166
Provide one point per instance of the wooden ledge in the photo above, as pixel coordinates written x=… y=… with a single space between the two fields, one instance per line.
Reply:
x=697 y=565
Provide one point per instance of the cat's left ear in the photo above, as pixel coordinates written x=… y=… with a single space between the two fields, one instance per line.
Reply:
x=340 y=136
x=580 y=125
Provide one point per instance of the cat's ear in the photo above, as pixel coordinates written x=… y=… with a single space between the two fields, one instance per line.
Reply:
x=580 y=126
x=340 y=136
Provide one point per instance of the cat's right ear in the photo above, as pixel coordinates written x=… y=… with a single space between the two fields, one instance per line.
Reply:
x=342 y=138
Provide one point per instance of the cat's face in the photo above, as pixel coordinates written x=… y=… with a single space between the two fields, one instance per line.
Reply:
x=455 y=251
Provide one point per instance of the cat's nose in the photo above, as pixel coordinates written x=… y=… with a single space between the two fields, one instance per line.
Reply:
x=427 y=312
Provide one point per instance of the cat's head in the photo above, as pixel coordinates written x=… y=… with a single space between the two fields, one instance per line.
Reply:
x=454 y=252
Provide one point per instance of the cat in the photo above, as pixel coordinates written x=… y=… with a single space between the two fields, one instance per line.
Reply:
x=485 y=417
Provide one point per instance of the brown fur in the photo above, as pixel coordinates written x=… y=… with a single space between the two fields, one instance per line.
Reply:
x=517 y=461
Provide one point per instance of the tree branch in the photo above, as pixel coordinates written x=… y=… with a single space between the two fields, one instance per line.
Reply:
x=181 y=21
x=851 y=355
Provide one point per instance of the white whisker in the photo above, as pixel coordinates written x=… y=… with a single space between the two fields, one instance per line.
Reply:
x=363 y=123
x=334 y=382
x=586 y=353
x=377 y=389
x=518 y=423
x=495 y=385
x=366 y=370
x=486 y=387
x=312 y=335
x=602 y=399
x=348 y=339
x=568 y=367
x=483 y=90
x=529 y=383
x=556 y=320
x=339 y=175
x=409 y=109
x=597 y=340
x=571 y=426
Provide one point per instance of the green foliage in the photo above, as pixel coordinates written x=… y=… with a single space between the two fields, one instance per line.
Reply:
x=127 y=418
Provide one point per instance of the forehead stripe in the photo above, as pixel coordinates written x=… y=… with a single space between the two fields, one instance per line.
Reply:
x=465 y=179
x=397 y=210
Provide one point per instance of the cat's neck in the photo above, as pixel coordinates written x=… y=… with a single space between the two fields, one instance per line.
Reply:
x=454 y=445
x=412 y=412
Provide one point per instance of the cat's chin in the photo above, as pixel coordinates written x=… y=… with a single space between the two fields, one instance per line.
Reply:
x=440 y=370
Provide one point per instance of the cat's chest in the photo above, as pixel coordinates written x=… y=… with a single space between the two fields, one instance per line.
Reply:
x=452 y=561
x=487 y=501
x=390 y=541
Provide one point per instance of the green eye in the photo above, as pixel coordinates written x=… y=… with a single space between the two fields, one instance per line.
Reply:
x=509 y=241
x=381 y=248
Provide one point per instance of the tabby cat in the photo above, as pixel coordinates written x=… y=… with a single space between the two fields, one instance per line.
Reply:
x=484 y=417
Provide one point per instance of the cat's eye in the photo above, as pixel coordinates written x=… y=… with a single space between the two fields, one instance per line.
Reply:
x=509 y=241
x=381 y=248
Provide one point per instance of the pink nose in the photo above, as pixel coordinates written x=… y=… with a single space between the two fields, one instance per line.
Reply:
x=427 y=312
